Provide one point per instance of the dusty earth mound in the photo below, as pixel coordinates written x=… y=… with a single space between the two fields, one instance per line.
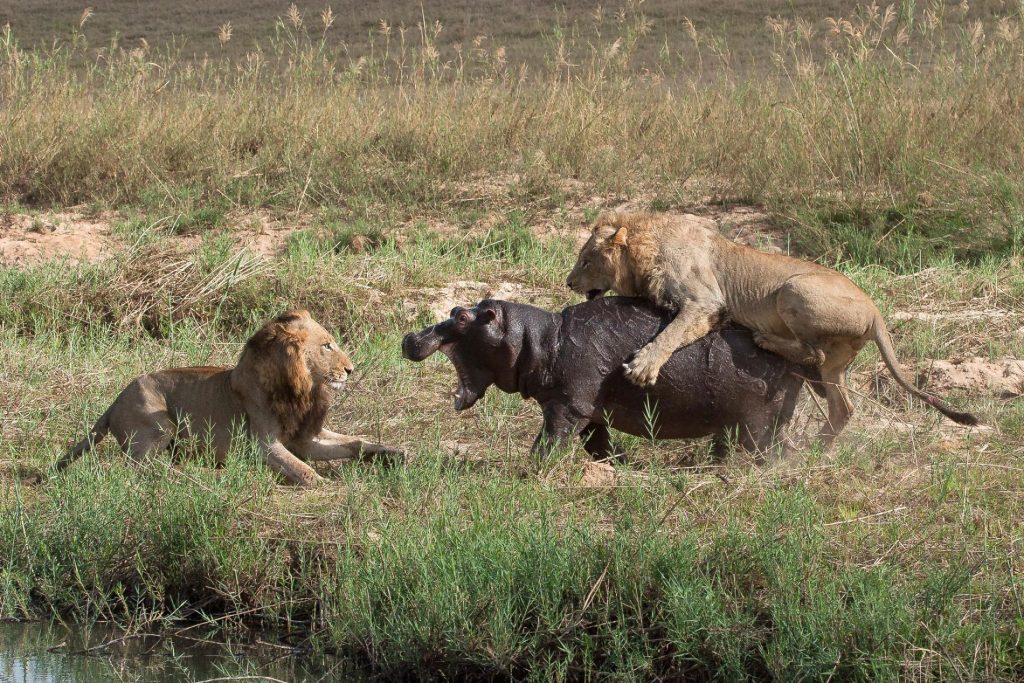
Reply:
x=598 y=475
x=976 y=376
x=27 y=240
x=439 y=301
x=1001 y=378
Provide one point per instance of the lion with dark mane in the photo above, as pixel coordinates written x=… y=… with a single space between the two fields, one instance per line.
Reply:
x=279 y=393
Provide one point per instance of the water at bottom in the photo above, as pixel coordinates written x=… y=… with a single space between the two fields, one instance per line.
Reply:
x=55 y=653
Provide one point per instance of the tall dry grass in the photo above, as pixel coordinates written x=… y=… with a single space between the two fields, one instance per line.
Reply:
x=896 y=115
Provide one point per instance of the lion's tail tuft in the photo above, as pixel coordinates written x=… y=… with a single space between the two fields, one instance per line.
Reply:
x=884 y=343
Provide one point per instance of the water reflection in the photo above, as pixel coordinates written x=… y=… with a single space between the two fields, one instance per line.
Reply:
x=51 y=653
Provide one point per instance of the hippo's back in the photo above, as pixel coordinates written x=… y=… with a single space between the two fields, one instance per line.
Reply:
x=717 y=382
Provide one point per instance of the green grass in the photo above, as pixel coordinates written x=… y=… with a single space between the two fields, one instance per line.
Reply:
x=888 y=558
x=441 y=569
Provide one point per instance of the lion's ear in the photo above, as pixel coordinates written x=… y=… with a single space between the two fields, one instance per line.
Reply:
x=603 y=231
x=619 y=240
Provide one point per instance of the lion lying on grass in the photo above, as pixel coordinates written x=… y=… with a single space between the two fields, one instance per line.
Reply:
x=804 y=312
x=279 y=392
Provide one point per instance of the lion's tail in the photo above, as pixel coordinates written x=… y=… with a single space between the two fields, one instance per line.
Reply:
x=96 y=434
x=884 y=343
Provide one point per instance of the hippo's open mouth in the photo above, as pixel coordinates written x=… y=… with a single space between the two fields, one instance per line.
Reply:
x=465 y=394
x=594 y=293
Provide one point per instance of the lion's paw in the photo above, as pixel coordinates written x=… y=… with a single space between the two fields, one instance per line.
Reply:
x=641 y=371
x=310 y=480
x=391 y=456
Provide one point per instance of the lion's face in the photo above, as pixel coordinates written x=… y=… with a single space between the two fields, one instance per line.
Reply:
x=296 y=363
x=599 y=263
x=326 y=362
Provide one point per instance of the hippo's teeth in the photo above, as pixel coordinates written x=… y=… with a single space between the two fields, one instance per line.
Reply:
x=461 y=401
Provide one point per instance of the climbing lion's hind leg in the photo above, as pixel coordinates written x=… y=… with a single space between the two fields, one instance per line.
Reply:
x=838 y=357
x=793 y=350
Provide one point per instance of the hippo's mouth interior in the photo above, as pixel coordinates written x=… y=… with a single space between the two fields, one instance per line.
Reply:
x=465 y=393
x=594 y=293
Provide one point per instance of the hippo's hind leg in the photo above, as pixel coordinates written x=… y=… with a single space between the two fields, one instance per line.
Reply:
x=761 y=424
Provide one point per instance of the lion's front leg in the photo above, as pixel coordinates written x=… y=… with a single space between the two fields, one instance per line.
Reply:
x=328 y=445
x=282 y=461
x=692 y=323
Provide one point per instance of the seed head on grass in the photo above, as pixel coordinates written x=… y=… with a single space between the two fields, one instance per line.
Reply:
x=294 y=16
x=224 y=33
x=327 y=17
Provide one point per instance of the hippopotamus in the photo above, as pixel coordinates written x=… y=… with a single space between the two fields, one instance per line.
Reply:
x=572 y=363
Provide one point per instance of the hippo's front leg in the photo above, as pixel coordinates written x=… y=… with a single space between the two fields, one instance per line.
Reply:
x=597 y=442
x=560 y=427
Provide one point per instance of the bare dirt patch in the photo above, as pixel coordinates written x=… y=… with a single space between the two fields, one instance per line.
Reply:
x=28 y=240
x=994 y=314
x=439 y=301
x=265 y=233
x=1002 y=378
x=598 y=475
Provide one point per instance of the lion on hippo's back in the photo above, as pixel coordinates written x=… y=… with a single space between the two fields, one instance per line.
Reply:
x=800 y=310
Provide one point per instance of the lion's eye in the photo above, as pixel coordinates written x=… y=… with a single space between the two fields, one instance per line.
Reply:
x=585 y=265
x=329 y=346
